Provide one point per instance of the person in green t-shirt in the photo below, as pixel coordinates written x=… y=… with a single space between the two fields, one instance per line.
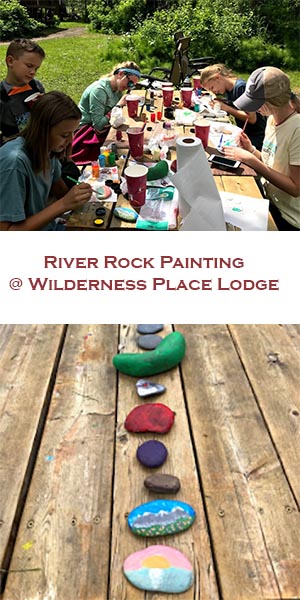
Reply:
x=96 y=104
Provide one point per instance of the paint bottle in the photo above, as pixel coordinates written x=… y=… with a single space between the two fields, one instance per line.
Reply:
x=101 y=160
x=151 y=99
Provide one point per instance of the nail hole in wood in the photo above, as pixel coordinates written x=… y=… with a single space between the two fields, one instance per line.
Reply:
x=30 y=524
x=74 y=521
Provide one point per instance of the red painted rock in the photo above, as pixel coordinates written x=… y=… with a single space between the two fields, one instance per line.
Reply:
x=156 y=417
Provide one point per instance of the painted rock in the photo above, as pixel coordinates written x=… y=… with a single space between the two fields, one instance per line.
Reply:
x=162 y=483
x=149 y=328
x=161 y=517
x=167 y=355
x=159 y=569
x=152 y=453
x=149 y=341
x=125 y=214
x=147 y=388
x=156 y=417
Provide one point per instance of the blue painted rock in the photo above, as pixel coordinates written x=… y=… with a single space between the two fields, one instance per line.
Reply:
x=147 y=388
x=162 y=483
x=167 y=355
x=152 y=453
x=159 y=569
x=149 y=341
x=156 y=417
x=149 y=328
x=161 y=517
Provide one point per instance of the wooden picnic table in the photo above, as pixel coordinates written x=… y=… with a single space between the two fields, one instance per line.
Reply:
x=241 y=182
x=69 y=474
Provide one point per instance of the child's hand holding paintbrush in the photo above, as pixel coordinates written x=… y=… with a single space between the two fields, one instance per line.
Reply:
x=243 y=140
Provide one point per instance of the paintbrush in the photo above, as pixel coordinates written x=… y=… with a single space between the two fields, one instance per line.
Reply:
x=245 y=125
x=98 y=192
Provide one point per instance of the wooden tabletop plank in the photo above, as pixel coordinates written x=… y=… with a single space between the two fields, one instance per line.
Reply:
x=28 y=356
x=65 y=529
x=274 y=371
x=256 y=540
x=194 y=542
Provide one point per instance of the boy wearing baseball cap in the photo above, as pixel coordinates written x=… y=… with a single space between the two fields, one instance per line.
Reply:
x=268 y=92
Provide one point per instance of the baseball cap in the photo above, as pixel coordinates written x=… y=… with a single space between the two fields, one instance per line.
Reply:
x=264 y=84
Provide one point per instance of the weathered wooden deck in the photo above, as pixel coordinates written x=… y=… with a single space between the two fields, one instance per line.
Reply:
x=69 y=475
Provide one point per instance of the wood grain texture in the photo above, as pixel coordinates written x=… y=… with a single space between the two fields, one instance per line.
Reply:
x=27 y=354
x=255 y=536
x=65 y=530
x=69 y=475
x=194 y=542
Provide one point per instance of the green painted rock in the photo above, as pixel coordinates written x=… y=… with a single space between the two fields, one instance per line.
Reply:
x=160 y=170
x=167 y=355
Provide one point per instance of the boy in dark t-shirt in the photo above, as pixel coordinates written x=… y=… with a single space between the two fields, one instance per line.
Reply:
x=23 y=59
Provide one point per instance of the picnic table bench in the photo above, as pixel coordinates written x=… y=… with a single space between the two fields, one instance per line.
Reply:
x=69 y=474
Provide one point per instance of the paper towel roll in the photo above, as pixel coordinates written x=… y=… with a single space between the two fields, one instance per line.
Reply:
x=186 y=148
x=200 y=204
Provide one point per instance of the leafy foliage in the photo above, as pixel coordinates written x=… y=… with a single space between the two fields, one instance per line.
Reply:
x=232 y=33
x=15 y=21
x=116 y=17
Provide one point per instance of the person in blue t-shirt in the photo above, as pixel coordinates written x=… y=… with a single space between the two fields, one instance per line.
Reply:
x=221 y=81
x=32 y=192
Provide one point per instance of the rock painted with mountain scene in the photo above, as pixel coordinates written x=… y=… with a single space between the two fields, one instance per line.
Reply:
x=159 y=569
x=161 y=517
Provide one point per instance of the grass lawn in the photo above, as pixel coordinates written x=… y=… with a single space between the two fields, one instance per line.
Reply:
x=72 y=63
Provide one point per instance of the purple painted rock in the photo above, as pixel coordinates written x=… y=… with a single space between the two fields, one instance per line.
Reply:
x=162 y=483
x=149 y=341
x=147 y=388
x=149 y=328
x=159 y=569
x=156 y=417
x=152 y=453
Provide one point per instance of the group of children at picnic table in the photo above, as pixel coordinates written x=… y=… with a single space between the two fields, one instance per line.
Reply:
x=41 y=146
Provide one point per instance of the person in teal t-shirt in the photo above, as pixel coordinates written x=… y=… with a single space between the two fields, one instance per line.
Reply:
x=95 y=105
x=30 y=170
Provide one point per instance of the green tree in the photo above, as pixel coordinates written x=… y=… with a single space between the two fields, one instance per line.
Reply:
x=15 y=21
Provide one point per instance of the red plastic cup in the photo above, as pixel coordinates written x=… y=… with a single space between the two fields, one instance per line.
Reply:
x=186 y=96
x=31 y=100
x=196 y=82
x=136 y=178
x=136 y=141
x=158 y=115
x=202 y=131
x=153 y=117
x=132 y=105
x=167 y=95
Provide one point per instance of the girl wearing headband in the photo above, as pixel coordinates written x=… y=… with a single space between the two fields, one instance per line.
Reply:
x=268 y=91
x=95 y=105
